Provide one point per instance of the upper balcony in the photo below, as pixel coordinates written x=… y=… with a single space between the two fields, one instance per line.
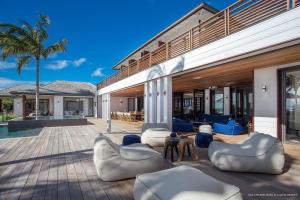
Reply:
x=236 y=17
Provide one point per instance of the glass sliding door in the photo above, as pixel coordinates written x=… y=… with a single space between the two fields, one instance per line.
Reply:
x=198 y=104
x=30 y=107
x=73 y=107
x=188 y=109
x=217 y=101
x=291 y=101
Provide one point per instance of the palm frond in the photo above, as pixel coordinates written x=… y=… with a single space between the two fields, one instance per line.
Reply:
x=22 y=61
x=57 y=47
x=19 y=32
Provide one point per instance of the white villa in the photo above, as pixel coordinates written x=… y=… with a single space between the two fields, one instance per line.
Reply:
x=58 y=99
x=241 y=62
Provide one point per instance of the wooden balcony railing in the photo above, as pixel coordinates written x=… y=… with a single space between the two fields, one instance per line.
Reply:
x=236 y=17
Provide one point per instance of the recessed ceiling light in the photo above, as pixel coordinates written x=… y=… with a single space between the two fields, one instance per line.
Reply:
x=197 y=77
x=230 y=83
x=137 y=90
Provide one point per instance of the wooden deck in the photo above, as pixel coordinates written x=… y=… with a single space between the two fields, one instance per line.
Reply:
x=58 y=164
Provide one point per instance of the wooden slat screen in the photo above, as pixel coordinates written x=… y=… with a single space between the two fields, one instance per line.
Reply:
x=209 y=31
x=159 y=55
x=238 y=16
x=144 y=62
x=179 y=45
x=248 y=13
x=132 y=68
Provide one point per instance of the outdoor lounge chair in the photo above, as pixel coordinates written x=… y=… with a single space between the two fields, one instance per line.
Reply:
x=182 y=183
x=154 y=134
x=114 y=162
x=259 y=153
x=231 y=128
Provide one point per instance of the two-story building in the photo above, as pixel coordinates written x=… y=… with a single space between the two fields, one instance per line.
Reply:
x=242 y=62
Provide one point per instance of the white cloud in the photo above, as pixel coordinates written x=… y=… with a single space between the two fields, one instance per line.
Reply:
x=7 y=65
x=61 y=64
x=79 y=62
x=6 y=82
x=97 y=72
x=58 y=64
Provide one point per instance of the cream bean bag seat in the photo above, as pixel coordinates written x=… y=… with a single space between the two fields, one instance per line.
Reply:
x=154 y=134
x=205 y=129
x=259 y=153
x=115 y=162
x=182 y=183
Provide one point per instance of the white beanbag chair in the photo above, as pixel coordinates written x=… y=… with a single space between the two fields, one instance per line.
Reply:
x=260 y=153
x=114 y=162
x=182 y=183
x=155 y=137
x=154 y=134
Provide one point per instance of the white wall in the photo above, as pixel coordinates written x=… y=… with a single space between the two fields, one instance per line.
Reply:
x=207 y=101
x=266 y=103
x=18 y=106
x=226 y=100
x=119 y=104
x=58 y=105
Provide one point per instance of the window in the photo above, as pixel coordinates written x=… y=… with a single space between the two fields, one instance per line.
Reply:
x=30 y=107
x=217 y=101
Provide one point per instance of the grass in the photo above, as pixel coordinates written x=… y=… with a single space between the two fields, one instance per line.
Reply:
x=6 y=116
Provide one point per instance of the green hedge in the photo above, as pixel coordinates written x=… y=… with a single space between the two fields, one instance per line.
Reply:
x=6 y=116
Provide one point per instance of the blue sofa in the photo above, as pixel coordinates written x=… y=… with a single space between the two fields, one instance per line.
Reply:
x=214 y=118
x=231 y=128
x=180 y=125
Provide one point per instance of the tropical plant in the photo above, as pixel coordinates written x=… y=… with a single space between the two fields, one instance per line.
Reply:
x=7 y=104
x=27 y=43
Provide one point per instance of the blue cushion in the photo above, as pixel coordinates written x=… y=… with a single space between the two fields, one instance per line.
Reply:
x=203 y=140
x=227 y=129
x=180 y=125
x=131 y=139
x=231 y=122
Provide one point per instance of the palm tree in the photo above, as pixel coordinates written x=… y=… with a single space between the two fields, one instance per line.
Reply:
x=26 y=43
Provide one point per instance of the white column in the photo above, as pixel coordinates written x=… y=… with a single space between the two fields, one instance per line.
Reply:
x=226 y=100
x=167 y=101
x=207 y=101
x=160 y=100
x=18 y=106
x=58 y=106
x=135 y=104
x=146 y=103
x=107 y=112
x=152 y=101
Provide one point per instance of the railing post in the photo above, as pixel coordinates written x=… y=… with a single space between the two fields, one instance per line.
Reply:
x=137 y=65
x=191 y=39
x=167 y=50
x=226 y=19
x=150 y=59
x=128 y=70
x=294 y=4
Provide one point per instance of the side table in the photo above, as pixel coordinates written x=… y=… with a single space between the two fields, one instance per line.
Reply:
x=171 y=142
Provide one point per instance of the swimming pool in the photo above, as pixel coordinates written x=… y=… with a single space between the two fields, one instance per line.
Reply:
x=4 y=133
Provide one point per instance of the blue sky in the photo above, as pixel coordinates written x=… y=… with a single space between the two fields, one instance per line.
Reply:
x=100 y=33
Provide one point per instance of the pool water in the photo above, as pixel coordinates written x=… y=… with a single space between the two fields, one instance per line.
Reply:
x=4 y=133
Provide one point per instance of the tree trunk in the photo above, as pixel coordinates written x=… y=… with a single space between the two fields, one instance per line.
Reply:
x=37 y=91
